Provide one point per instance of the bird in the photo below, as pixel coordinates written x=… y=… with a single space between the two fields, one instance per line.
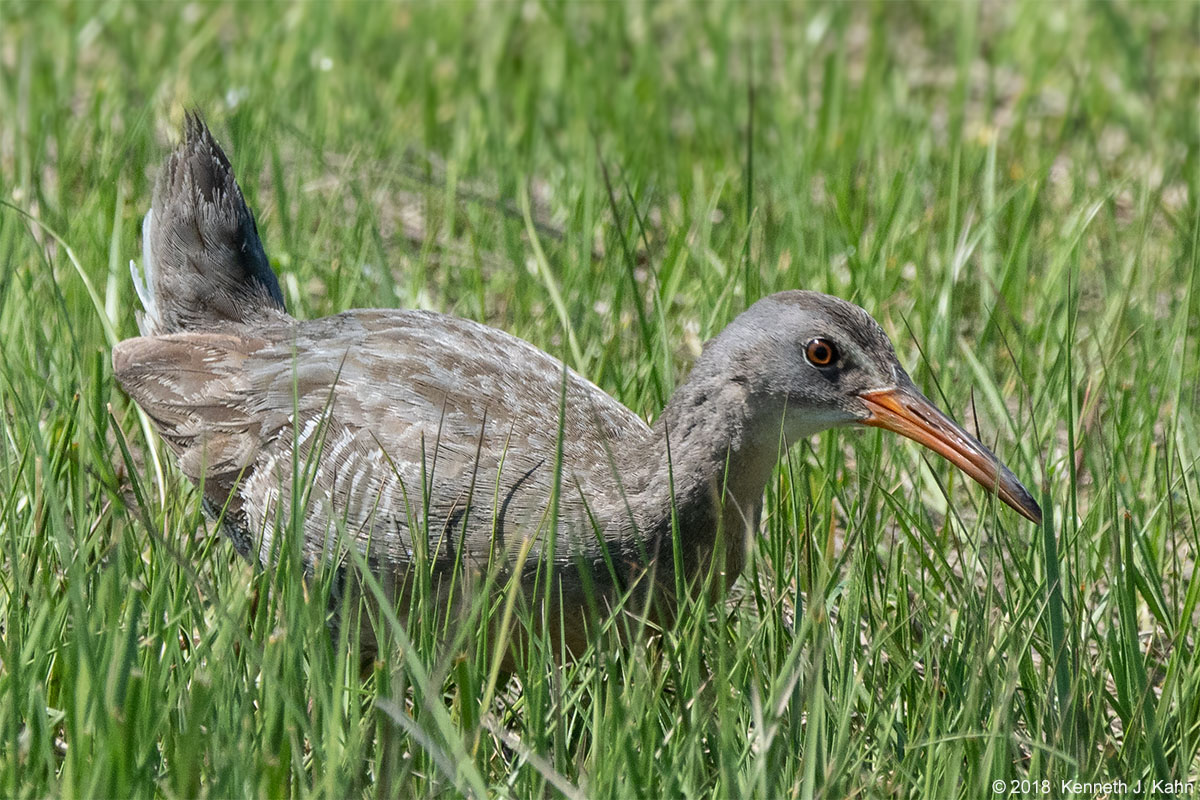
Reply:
x=424 y=438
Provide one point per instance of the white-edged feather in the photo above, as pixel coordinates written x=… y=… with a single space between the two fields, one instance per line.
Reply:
x=144 y=279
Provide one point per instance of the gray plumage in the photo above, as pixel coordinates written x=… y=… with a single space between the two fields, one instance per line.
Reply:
x=421 y=434
x=203 y=264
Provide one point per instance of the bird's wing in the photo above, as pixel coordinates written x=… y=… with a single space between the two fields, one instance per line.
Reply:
x=407 y=429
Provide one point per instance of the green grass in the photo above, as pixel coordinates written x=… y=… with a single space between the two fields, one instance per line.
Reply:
x=1013 y=190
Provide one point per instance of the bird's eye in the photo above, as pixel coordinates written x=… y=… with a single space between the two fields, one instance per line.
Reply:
x=821 y=352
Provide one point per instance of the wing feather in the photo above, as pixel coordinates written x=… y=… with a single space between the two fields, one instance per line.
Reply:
x=410 y=430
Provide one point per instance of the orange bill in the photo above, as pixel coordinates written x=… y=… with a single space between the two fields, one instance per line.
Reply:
x=909 y=413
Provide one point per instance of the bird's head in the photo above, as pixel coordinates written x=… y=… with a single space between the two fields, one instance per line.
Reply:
x=823 y=362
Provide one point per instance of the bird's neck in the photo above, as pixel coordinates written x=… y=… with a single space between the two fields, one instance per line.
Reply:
x=712 y=457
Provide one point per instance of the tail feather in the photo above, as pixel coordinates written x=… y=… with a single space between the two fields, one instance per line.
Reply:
x=143 y=279
x=203 y=264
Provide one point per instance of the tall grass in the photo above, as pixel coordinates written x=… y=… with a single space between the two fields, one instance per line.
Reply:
x=1012 y=189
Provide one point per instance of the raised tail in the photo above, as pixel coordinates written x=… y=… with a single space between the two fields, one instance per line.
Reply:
x=203 y=265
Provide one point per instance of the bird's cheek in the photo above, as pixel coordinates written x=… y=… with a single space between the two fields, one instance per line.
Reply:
x=802 y=421
x=857 y=412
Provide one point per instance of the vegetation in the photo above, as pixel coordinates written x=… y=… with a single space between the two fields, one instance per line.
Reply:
x=1013 y=189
